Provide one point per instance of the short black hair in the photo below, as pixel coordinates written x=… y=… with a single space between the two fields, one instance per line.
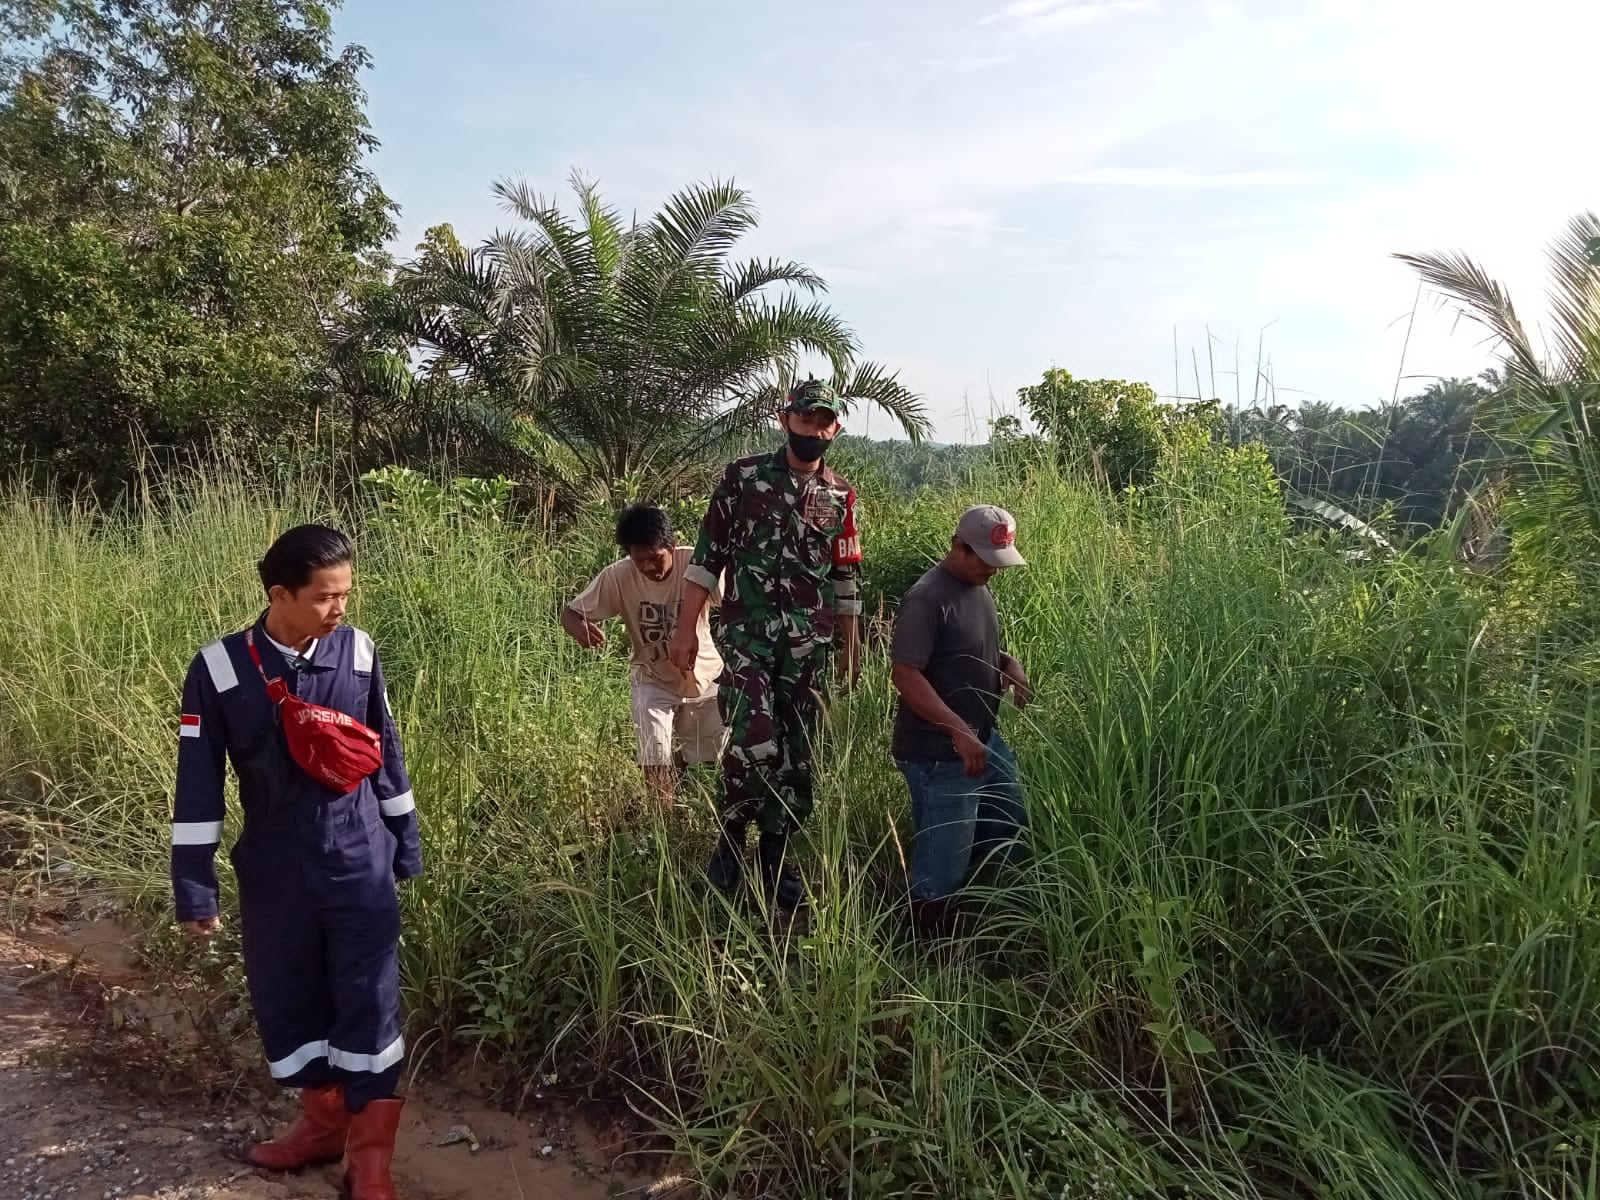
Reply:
x=299 y=553
x=644 y=525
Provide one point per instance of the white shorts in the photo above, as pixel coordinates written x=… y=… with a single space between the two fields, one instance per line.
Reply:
x=667 y=722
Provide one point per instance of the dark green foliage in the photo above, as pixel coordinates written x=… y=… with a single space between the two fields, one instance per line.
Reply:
x=1412 y=463
x=1108 y=430
x=903 y=468
x=183 y=209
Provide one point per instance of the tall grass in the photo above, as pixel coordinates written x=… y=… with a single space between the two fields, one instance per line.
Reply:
x=1309 y=908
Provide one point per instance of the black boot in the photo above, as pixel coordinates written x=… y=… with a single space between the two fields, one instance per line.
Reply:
x=779 y=879
x=726 y=867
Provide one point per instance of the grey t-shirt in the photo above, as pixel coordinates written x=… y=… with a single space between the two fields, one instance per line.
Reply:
x=950 y=631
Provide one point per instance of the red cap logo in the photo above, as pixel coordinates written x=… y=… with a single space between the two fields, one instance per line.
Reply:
x=1003 y=535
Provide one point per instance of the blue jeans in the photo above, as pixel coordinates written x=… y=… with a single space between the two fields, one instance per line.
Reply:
x=961 y=822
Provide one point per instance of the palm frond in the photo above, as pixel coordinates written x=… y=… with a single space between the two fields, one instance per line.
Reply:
x=800 y=326
x=386 y=375
x=564 y=245
x=1540 y=415
x=455 y=277
x=1575 y=298
x=722 y=432
x=701 y=223
x=602 y=225
x=518 y=198
x=870 y=383
x=1485 y=301
x=1582 y=448
x=456 y=306
x=749 y=278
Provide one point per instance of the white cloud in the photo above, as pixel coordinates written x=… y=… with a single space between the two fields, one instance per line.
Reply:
x=971 y=64
x=1030 y=17
x=1022 y=10
x=1178 y=177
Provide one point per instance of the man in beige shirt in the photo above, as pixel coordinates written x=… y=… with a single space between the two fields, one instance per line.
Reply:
x=675 y=712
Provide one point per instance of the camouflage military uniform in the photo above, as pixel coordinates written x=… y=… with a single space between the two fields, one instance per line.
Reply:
x=792 y=553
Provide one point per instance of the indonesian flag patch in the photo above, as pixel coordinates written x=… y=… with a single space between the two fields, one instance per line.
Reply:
x=189 y=725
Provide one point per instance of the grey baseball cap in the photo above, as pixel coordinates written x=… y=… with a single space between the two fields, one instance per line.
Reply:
x=992 y=534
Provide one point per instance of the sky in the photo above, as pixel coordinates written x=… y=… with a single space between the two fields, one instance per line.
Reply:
x=996 y=187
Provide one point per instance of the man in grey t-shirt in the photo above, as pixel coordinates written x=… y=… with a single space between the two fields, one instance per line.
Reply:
x=966 y=795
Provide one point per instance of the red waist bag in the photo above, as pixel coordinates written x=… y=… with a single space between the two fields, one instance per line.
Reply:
x=332 y=747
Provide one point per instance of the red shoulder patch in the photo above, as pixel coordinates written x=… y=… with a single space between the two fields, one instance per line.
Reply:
x=847 y=546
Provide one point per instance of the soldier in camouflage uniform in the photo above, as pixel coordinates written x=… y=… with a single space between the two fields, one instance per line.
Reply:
x=783 y=526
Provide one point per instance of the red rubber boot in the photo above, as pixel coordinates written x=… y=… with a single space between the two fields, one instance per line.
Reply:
x=370 y=1149
x=317 y=1137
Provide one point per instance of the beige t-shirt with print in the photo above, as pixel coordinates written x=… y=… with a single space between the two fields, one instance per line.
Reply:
x=649 y=610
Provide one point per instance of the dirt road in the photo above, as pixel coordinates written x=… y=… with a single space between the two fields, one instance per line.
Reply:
x=71 y=1130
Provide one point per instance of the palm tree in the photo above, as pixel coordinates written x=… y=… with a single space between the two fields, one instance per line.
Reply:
x=642 y=349
x=366 y=365
x=1544 y=408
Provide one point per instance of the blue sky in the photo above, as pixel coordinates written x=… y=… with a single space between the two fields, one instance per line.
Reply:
x=993 y=188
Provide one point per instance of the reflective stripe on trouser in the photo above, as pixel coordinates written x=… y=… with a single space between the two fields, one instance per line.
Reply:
x=322 y=963
x=772 y=705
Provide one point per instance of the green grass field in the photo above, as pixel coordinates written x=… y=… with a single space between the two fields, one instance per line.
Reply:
x=1309 y=911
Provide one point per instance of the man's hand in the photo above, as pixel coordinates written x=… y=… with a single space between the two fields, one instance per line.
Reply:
x=582 y=630
x=1017 y=680
x=684 y=647
x=918 y=693
x=974 y=754
x=203 y=928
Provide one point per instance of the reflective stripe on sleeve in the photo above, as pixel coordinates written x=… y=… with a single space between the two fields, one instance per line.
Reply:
x=364 y=652
x=397 y=806
x=196 y=833
x=220 y=666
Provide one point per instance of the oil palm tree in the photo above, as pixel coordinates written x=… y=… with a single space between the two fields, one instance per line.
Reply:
x=1544 y=408
x=366 y=366
x=643 y=349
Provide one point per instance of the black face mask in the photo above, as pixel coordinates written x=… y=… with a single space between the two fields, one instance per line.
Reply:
x=807 y=447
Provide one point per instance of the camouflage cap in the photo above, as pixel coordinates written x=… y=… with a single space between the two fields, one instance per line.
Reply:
x=813 y=394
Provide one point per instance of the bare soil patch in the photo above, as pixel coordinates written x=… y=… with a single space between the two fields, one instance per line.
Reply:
x=111 y=1087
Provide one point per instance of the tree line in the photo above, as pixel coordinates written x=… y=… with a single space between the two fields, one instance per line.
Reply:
x=192 y=256
x=192 y=260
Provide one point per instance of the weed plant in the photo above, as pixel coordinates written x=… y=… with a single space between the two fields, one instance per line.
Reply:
x=1309 y=908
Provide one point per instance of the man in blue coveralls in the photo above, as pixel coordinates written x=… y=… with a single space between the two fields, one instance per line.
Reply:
x=316 y=870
